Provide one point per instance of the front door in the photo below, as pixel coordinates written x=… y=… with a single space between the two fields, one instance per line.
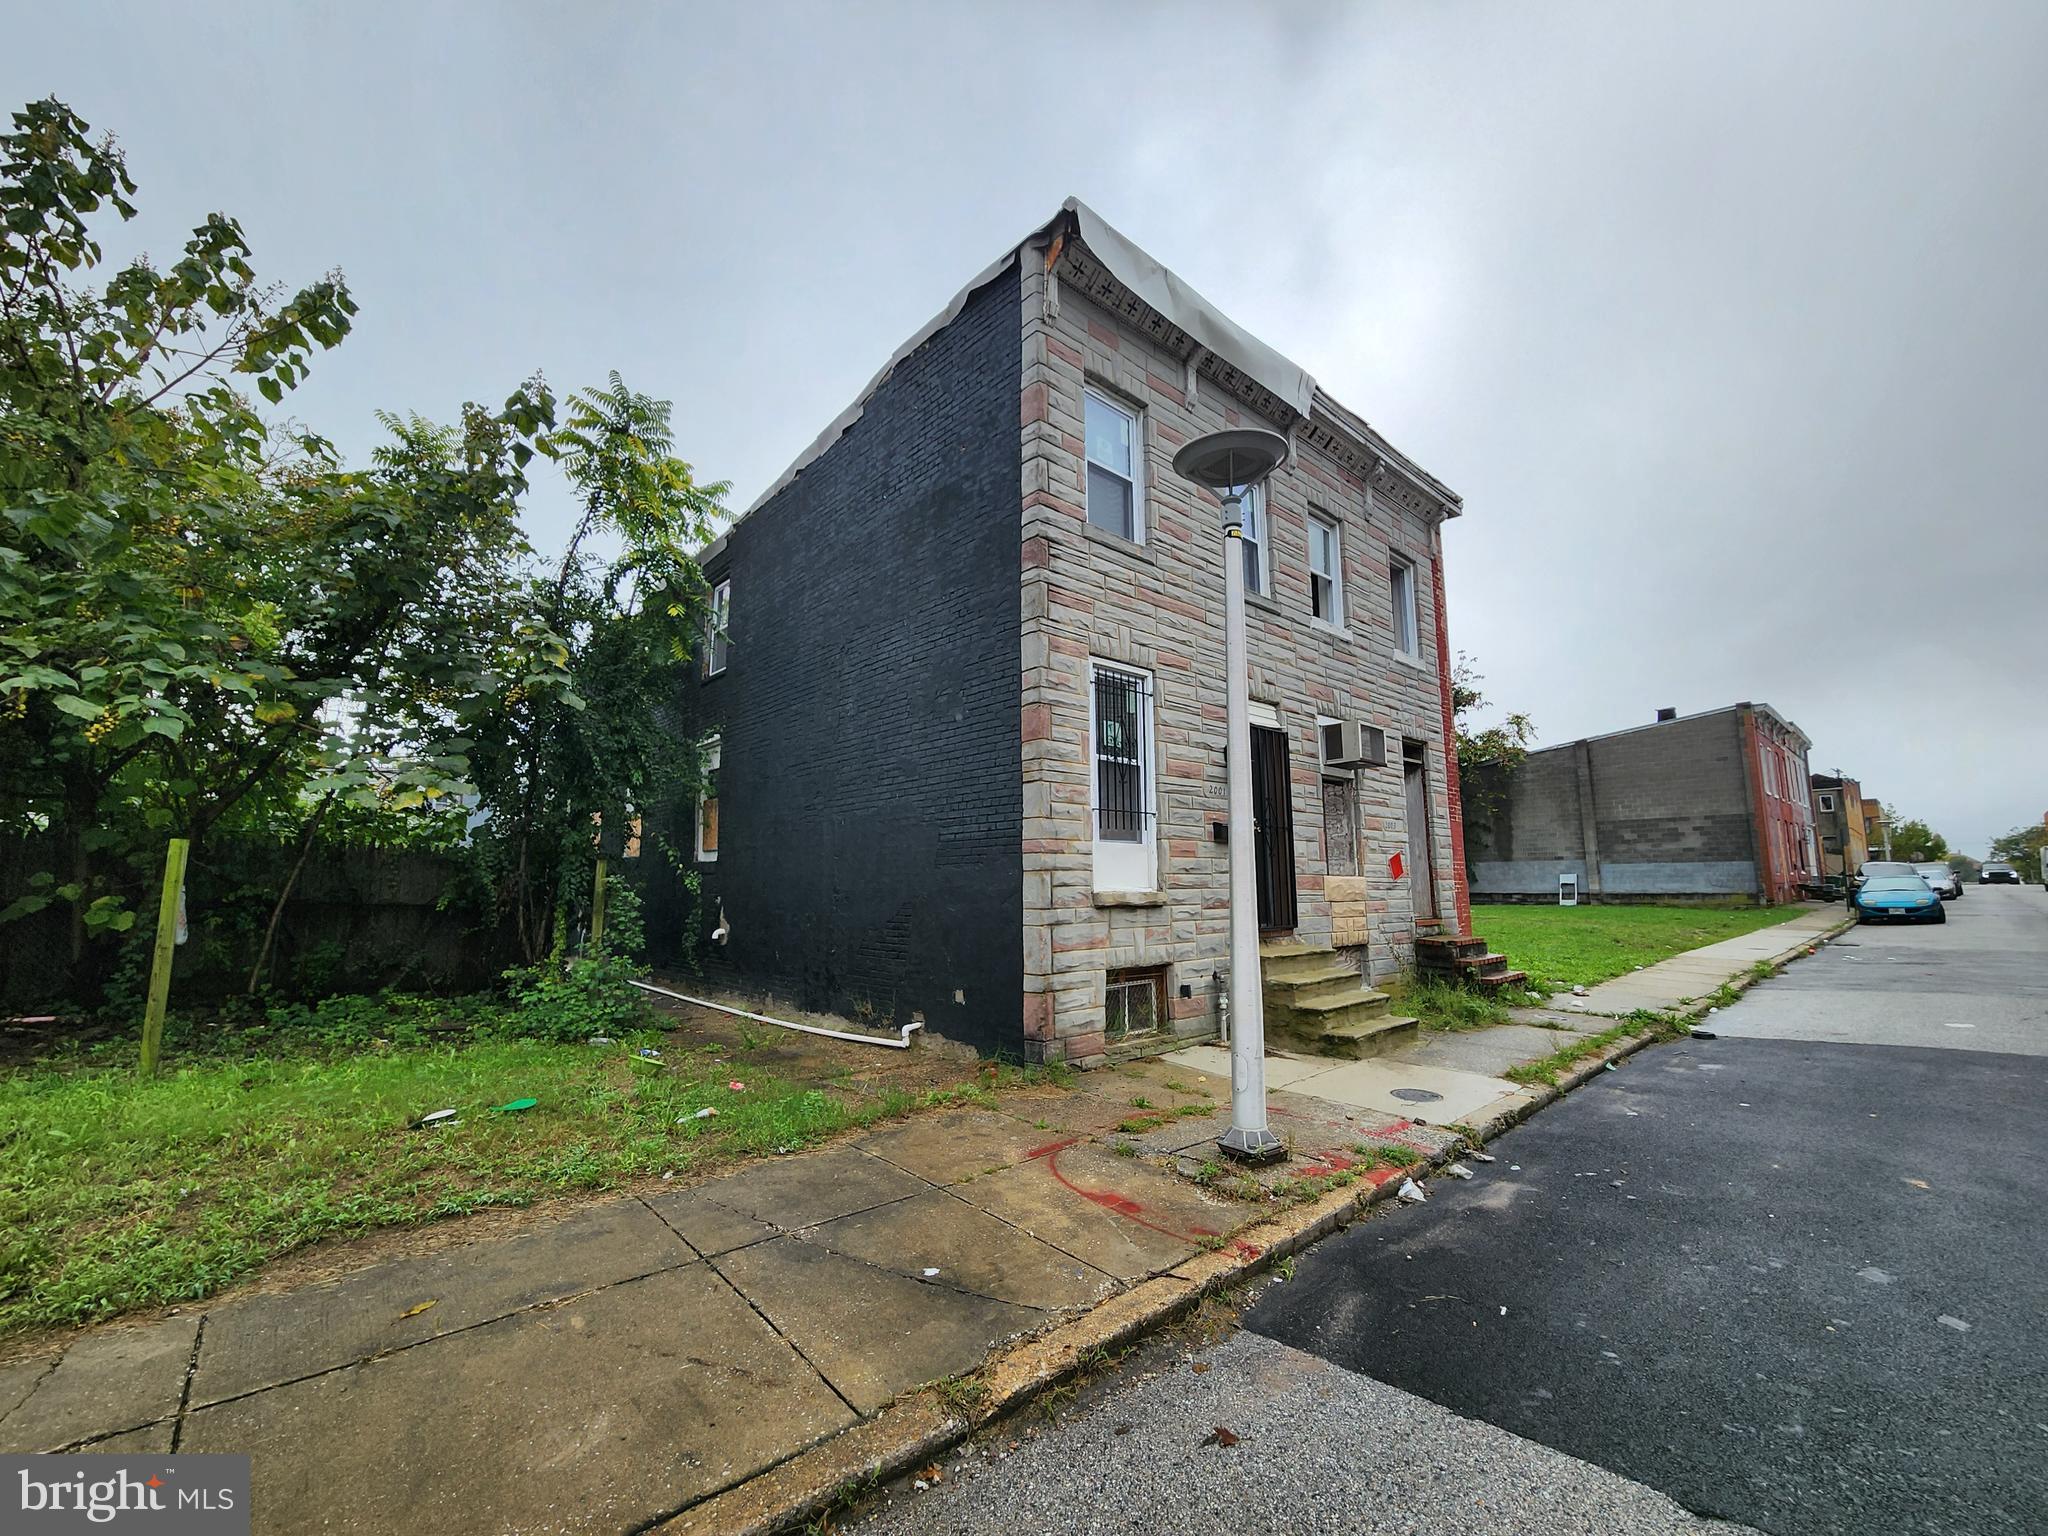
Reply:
x=1273 y=819
x=1421 y=867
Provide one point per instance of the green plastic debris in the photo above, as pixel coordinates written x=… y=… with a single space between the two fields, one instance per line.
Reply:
x=515 y=1106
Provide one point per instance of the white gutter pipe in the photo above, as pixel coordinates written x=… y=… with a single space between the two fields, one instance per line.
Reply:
x=809 y=1029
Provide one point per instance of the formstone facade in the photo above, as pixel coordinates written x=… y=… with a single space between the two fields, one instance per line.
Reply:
x=1157 y=606
x=1377 y=852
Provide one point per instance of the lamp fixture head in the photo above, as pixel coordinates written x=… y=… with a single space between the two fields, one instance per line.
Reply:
x=1231 y=463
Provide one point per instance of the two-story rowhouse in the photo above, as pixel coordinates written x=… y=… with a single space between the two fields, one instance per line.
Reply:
x=1694 y=807
x=967 y=702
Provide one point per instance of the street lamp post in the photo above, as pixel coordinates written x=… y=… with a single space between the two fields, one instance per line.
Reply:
x=1231 y=464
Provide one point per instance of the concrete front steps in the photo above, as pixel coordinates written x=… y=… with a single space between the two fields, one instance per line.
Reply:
x=1316 y=1003
x=1465 y=960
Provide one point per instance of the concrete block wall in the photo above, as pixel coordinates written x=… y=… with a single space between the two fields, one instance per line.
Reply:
x=1159 y=606
x=1665 y=810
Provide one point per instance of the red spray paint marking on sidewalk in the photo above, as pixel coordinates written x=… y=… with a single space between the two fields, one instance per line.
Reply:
x=1109 y=1200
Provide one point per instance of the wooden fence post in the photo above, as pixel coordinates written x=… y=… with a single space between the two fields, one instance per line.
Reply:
x=597 y=908
x=166 y=949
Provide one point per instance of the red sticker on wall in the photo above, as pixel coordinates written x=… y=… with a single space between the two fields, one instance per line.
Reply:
x=1397 y=867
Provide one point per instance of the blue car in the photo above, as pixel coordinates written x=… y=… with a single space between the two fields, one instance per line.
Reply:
x=1898 y=898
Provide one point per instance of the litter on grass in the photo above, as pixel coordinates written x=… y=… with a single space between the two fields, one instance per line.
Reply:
x=515 y=1106
x=437 y=1117
x=703 y=1114
x=736 y=1086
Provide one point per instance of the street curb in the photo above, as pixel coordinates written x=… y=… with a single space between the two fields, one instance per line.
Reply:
x=922 y=1426
x=919 y=1427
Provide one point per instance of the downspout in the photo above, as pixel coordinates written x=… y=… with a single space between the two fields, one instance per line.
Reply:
x=902 y=1044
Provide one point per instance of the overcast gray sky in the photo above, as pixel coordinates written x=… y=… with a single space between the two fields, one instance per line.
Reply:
x=1727 y=320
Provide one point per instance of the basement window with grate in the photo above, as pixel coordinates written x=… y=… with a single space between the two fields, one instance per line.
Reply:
x=1134 y=1004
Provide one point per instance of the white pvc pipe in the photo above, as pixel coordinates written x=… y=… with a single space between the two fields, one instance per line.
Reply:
x=810 y=1029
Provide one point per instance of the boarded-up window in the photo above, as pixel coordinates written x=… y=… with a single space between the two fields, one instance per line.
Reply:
x=707 y=808
x=1340 y=826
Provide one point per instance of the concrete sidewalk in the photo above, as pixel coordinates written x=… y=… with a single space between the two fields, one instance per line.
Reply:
x=1698 y=973
x=614 y=1368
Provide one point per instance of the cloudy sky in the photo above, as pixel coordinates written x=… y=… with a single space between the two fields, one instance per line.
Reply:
x=1730 y=322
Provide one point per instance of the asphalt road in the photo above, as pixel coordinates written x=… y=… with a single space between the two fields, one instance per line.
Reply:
x=1792 y=1277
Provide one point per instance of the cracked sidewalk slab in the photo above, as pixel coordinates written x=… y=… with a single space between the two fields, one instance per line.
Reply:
x=119 y=1378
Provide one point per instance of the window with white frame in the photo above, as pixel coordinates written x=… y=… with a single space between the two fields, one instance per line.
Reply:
x=1258 y=547
x=1827 y=801
x=1121 y=794
x=1115 y=499
x=707 y=803
x=1407 y=619
x=717 y=640
x=1325 y=570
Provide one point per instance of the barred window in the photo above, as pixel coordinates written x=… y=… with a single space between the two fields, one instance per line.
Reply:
x=1123 y=708
x=1133 y=1004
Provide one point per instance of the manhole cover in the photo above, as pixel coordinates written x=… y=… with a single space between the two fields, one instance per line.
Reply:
x=1416 y=1095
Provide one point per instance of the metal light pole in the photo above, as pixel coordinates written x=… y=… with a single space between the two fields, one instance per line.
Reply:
x=1231 y=464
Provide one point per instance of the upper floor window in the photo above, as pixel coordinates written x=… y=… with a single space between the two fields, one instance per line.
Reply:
x=1827 y=801
x=1115 y=500
x=1407 y=620
x=717 y=640
x=1325 y=571
x=1258 y=548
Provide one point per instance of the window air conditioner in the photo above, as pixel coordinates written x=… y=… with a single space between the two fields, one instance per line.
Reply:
x=1354 y=744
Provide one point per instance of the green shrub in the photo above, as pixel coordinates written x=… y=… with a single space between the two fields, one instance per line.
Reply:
x=580 y=999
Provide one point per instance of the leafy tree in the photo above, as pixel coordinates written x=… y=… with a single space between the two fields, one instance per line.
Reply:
x=1486 y=758
x=555 y=766
x=2021 y=848
x=1914 y=842
x=185 y=589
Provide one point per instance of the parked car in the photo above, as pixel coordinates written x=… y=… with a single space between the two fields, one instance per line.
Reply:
x=1898 y=898
x=1996 y=873
x=1882 y=867
x=1946 y=882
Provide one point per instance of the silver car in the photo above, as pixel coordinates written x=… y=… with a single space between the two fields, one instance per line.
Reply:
x=1946 y=882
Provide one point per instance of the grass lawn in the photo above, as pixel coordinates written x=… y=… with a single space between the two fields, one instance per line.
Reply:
x=117 y=1193
x=1579 y=946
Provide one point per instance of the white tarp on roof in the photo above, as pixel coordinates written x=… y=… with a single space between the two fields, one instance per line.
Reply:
x=1191 y=312
x=1153 y=283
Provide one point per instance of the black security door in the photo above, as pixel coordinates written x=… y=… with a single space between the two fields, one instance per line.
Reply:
x=1273 y=817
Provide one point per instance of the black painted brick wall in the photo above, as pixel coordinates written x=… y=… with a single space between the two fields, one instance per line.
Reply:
x=870 y=858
